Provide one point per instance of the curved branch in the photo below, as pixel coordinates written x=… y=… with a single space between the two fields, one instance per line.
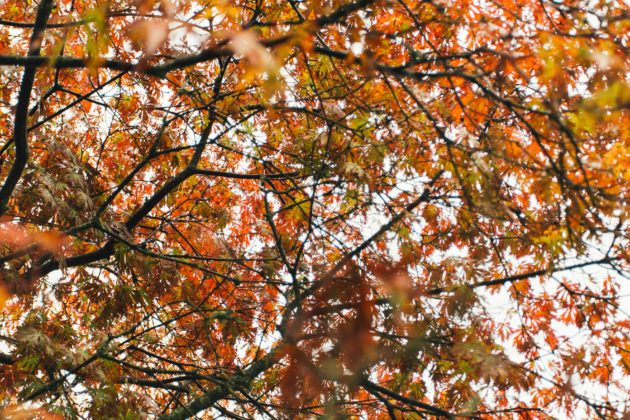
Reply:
x=209 y=398
x=523 y=276
x=21 y=112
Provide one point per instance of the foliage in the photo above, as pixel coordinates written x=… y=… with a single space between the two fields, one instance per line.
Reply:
x=363 y=208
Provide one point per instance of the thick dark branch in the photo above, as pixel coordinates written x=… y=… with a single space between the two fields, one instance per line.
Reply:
x=161 y=70
x=21 y=112
x=27 y=25
x=218 y=51
x=60 y=62
x=529 y=274
x=372 y=387
x=68 y=24
x=5 y=359
x=152 y=383
x=341 y=13
x=209 y=398
x=233 y=175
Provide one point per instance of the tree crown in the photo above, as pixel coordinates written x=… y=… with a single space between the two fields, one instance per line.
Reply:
x=364 y=208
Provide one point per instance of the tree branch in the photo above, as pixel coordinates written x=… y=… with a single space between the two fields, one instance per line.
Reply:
x=523 y=276
x=209 y=398
x=21 y=112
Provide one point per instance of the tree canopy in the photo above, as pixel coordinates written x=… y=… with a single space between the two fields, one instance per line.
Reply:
x=304 y=208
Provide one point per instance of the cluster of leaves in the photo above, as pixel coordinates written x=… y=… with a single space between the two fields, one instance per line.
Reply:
x=364 y=208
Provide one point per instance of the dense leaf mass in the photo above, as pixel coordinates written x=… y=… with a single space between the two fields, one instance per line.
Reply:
x=292 y=209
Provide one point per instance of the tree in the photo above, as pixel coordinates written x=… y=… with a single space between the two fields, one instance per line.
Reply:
x=280 y=209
